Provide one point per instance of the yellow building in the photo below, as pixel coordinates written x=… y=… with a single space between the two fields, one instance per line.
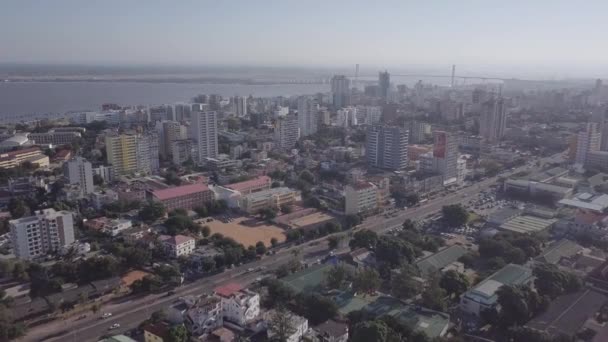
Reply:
x=122 y=153
x=271 y=198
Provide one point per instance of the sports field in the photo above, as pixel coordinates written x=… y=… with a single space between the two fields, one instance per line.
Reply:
x=248 y=234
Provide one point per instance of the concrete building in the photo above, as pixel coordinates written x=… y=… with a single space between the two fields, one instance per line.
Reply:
x=168 y=131
x=340 y=91
x=203 y=129
x=286 y=132
x=239 y=104
x=384 y=84
x=271 y=198
x=185 y=196
x=307 y=116
x=597 y=160
x=205 y=316
x=418 y=131
x=122 y=153
x=587 y=141
x=493 y=120
x=483 y=295
x=239 y=306
x=54 y=138
x=387 y=147
x=16 y=158
x=347 y=117
x=79 y=171
x=360 y=198
x=369 y=115
x=445 y=152
x=44 y=232
x=105 y=172
x=182 y=150
x=259 y=183
x=299 y=326
x=177 y=245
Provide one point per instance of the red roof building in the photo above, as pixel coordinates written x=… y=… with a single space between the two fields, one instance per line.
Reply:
x=253 y=185
x=185 y=197
x=228 y=290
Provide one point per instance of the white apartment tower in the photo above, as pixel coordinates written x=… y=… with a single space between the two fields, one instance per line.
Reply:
x=587 y=141
x=240 y=106
x=203 y=129
x=46 y=231
x=79 y=171
x=307 y=116
x=493 y=121
x=286 y=132
x=386 y=147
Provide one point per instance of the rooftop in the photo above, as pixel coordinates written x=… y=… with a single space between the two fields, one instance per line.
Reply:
x=332 y=328
x=587 y=201
x=527 y=224
x=165 y=194
x=228 y=289
x=269 y=192
x=439 y=260
x=563 y=248
x=568 y=313
x=175 y=240
x=258 y=181
x=511 y=274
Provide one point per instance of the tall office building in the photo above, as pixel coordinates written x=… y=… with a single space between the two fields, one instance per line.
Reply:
x=239 y=104
x=181 y=112
x=600 y=116
x=384 y=84
x=387 y=147
x=493 y=120
x=418 y=131
x=445 y=154
x=44 y=232
x=308 y=112
x=587 y=141
x=79 y=171
x=133 y=153
x=340 y=91
x=168 y=131
x=286 y=132
x=203 y=129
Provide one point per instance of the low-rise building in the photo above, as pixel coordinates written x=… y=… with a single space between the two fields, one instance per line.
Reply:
x=271 y=198
x=156 y=332
x=587 y=201
x=205 y=316
x=16 y=158
x=177 y=245
x=483 y=295
x=260 y=183
x=299 y=326
x=360 y=198
x=105 y=225
x=330 y=331
x=185 y=196
x=239 y=306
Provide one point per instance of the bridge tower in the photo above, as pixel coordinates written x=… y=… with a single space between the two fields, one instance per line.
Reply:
x=453 y=75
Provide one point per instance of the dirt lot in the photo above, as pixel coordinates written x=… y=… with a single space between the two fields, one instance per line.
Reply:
x=248 y=234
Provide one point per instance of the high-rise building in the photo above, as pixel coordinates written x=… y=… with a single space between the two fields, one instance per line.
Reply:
x=347 y=117
x=340 y=91
x=600 y=116
x=44 y=232
x=286 y=132
x=387 y=147
x=182 y=150
x=384 y=84
x=181 y=112
x=308 y=112
x=132 y=153
x=587 y=141
x=203 y=129
x=445 y=153
x=240 y=106
x=79 y=171
x=493 y=120
x=418 y=131
x=168 y=131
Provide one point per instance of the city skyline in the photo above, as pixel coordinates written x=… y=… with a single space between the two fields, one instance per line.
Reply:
x=546 y=35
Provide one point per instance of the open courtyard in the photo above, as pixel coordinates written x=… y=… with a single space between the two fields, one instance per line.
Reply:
x=246 y=230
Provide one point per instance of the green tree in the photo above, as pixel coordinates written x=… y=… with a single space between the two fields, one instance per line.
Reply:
x=350 y=221
x=316 y=308
x=338 y=276
x=152 y=211
x=433 y=295
x=333 y=241
x=206 y=231
x=280 y=325
x=553 y=282
x=454 y=283
x=177 y=224
x=178 y=333
x=366 y=281
x=393 y=251
x=364 y=239
x=260 y=248
x=307 y=177
x=454 y=215
x=286 y=209
x=274 y=242
x=17 y=208
x=370 y=331
x=97 y=180
x=403 y=284
x=278 y=292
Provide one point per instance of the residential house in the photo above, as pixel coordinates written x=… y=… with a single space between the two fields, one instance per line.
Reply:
x=177 y=245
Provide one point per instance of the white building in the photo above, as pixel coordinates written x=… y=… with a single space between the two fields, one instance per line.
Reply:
x=205 y=316
x=369 y=115
x=360 y=198
x=340 y=91
x=105 y=172
x=100 y=198
x=307 y=116
x=387 y=147
x=493 y=120
x=286 y=132
x=587 y=141
x=240 y=106
x=203 y=129
x=79 y=171
x=177 y=245
x=239 y=306
x=347 y=117
x=44 y=232
x=299 y=326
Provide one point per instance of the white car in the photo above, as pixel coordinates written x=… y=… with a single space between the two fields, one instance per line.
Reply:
x=114 y=326
x=106 y=315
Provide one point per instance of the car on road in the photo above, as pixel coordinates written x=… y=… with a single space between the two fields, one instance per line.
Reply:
x=106 y=315
x=114 y=326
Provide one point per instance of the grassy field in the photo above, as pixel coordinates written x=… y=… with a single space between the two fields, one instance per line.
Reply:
x=247 y=234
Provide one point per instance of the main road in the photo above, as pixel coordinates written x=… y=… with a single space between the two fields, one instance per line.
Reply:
x=132 y=312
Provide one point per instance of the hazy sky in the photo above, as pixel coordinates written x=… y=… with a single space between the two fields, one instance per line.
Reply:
x=534 y=33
